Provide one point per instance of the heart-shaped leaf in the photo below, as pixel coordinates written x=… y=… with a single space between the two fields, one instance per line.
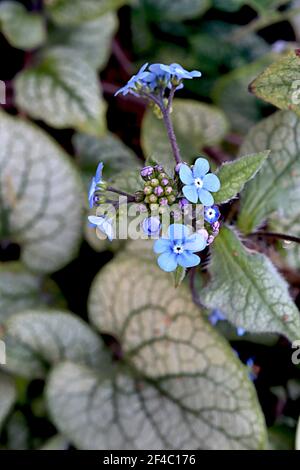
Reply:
x=110 y=150
x=63 y=90
x=277 y=186
x=234 y=175
x=8 y=396
x=186 y=388
x=195 y=124
x=41 y=199
x=91 y=39
x=73 y=12
x=22 y=29
x=279 y=84
x=249 y=290
x=37 y=339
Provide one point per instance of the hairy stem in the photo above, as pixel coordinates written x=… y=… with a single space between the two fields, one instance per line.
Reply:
x=171 y=134
x=131 y=197
x=279 y=236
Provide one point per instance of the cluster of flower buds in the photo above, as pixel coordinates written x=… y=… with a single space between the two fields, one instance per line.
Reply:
x=159 y=189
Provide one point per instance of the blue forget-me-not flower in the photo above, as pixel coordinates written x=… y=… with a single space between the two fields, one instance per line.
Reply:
x=104 y=224
x=198 y=182
x=135 y=80
x=96 y=180
x=178 y=72
x=211 y=214
x=179 y=248
x=151 y=226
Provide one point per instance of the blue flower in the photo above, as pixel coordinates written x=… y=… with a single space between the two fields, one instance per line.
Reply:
x=151 y=226
x=157 y=74
x=240 y=331
x=216 y=316
x=96 y=180
x=211 y=214
x=177 y=71
x=179 y=248
x=103 y=224
x=131 y=84
x=198 y=182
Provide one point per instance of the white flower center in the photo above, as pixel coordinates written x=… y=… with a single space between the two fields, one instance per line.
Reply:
x=178 y=249
x=210 y=213
x=198 y=182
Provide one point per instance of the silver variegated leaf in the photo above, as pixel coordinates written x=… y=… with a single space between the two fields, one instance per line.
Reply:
x=277 y=186
x=186 y=388
x=247 y=288
x=41 y=196
x=64 y=91
x=37 y=339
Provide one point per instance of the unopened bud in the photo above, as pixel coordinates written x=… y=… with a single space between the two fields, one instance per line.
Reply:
x=148 y=190
x=152 y=198
x=158 y=191
x=154 y=182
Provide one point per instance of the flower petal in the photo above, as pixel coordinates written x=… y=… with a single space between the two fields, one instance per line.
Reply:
x=167 y=261
x=98 y=176
x=211 y=182
x=185 y=174
x=205 y=197
x=187 y=260
x=195 y=242
x=93 y=219
x=190 y=192
x=106 y=227
x=161 y=245
x=92 y=189
x=201 y=167
x=178 y=232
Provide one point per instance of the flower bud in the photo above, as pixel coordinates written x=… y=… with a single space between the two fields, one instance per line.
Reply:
x=152 y=198
x=99 y=199
x=158 y=191
x=163 y=201
x=171 y=198
x=162 y=175
x=154 y=182
x=183 y=203
x=148 y=190
x=168 y=190
x=101 y=186
x=165 y=182
x=210 y=239
x=159 y=168
x=146 y=172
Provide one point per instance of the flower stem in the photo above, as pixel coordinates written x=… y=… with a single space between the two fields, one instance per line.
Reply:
x=171 y=134
x=130 y=197
x=279 y=236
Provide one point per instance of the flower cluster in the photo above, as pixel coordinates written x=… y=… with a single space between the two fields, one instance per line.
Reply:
x=156 y=77
x=159 y=188
x=178 y=244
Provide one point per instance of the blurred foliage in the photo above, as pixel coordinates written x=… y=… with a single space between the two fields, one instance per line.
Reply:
x=148 y=361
